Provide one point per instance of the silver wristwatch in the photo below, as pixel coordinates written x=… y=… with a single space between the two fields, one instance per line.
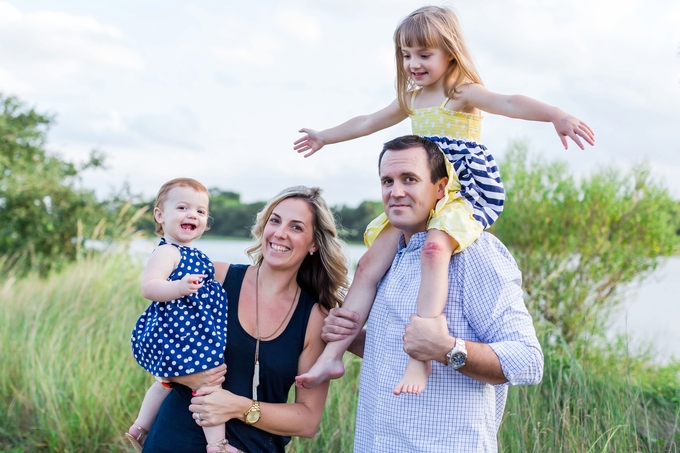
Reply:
x=457 y=356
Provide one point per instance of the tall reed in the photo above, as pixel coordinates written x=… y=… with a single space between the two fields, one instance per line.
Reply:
x=69 y=382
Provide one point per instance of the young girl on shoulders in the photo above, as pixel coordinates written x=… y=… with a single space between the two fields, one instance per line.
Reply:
x=184 y=330
x=438 y=87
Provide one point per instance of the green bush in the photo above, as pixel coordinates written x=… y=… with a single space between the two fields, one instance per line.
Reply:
x=578 y=241
x=45 y=218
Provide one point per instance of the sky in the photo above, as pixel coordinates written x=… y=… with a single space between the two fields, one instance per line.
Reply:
x=217 y=90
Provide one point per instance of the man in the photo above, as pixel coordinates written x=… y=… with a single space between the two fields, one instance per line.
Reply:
x=484 y=340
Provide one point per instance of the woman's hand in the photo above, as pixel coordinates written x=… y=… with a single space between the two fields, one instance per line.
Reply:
x=311 y=142
x=208 y=378
x=213 y=406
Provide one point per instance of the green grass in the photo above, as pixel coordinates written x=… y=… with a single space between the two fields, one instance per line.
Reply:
x=603 y=401
x=69 y=382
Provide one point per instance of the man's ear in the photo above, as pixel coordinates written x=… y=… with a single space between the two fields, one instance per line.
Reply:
x=441 y=188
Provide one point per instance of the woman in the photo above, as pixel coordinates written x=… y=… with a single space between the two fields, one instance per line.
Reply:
x=276 y=310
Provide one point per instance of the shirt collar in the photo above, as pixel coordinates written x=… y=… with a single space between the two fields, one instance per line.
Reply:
x=417 y=241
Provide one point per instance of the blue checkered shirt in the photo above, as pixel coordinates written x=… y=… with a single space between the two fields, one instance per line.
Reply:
x=455 y=413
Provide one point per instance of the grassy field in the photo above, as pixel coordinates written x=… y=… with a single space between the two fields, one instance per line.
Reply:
x=69 y=383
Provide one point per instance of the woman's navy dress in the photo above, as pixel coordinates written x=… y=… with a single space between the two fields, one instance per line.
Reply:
x=175 y=431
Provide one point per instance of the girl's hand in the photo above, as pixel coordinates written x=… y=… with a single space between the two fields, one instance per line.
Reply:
x=311 y=142
x=569 y=126
x=190 y=283
x=217 y=406
x=213 y=377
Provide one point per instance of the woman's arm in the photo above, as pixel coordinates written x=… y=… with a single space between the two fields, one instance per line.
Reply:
x=356 y=127
x=155 y=284
x=208 y=378
x=301 y=418
x=221 y=269
x=526 y=108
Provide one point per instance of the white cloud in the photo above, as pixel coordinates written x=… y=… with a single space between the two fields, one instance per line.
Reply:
x=109 y=122
x=259 y=51
x=10 y=84
x=8 y=13
x=300 y=24
x=45 y=36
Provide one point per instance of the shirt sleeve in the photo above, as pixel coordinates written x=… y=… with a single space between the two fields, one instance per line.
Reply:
x=491 y=285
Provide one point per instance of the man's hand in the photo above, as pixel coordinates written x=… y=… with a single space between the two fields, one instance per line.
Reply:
x=339 y=324
x=428 y=338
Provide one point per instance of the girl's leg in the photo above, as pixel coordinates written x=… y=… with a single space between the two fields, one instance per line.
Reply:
x=370 y=269
x=215 y=435
x=432 y=295
x=147 y=413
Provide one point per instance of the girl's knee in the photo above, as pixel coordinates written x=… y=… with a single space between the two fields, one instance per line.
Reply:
x=435 y=251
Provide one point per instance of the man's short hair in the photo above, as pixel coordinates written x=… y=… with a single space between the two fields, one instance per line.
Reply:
x=435 y=156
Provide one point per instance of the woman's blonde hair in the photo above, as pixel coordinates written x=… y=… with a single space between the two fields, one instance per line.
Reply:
x=433 y=27
x=322 y=275
x=165 y=190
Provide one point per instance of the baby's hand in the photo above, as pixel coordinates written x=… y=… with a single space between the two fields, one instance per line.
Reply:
x=569 y=126
x=311 y=142
x=190 y=283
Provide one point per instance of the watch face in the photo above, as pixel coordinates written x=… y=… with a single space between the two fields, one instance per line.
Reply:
x=458 y=359
x=253 y=416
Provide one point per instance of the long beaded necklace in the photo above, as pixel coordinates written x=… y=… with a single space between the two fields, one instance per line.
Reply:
x=256 y=372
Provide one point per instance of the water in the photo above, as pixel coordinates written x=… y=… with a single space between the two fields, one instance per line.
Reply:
x=650 y=313
x=233 y=250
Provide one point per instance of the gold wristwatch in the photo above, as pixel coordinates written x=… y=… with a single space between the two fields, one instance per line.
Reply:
x=253 y=414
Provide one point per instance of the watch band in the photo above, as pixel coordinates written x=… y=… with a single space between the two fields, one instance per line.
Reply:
x=457 y=357
x=252 y=415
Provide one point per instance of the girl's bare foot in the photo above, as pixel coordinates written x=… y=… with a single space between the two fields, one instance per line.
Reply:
x=323 y=370
x=415 y=377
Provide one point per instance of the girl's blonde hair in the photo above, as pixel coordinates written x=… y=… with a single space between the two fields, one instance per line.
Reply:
x=322 y=275
x=433 y=27
x=167 y=187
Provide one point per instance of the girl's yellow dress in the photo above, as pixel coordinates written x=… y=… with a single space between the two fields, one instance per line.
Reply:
x=474 y=194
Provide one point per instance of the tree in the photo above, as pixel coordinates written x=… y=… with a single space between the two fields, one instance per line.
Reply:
x=230 y=217
x=353 y=221
x=44 y=218
x=578 y=241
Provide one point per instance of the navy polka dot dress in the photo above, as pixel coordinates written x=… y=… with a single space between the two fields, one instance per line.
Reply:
x=186 y=335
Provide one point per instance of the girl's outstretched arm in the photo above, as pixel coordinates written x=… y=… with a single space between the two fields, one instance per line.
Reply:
x=356 y=127
x=526 y=108
x=155 y=284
